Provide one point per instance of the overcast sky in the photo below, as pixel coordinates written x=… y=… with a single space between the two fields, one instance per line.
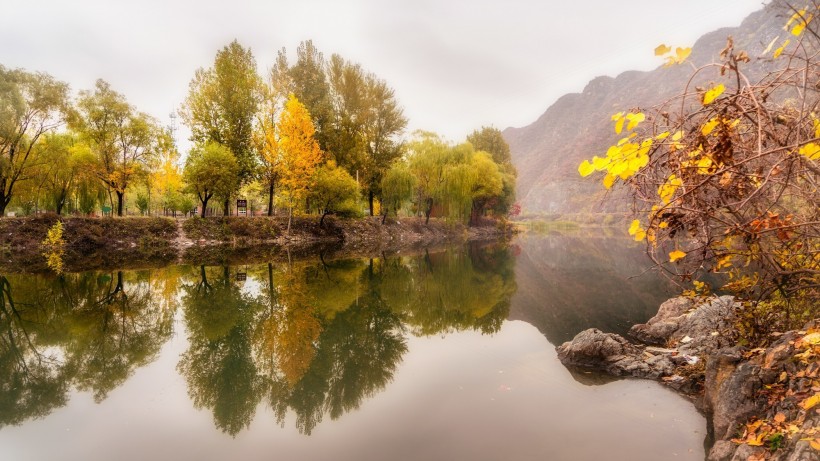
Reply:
x=455 y=65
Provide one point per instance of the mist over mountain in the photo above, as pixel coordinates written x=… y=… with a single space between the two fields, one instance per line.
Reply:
x=578 y=125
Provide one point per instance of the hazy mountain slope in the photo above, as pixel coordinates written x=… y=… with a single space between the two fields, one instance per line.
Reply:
x=577 y=126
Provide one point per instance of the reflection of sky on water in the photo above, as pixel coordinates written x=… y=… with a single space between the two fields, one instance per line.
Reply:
x=454 y=393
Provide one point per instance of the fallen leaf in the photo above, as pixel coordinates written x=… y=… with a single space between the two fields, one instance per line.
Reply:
x=676 y=255
x=811 y=402
x=779 y=418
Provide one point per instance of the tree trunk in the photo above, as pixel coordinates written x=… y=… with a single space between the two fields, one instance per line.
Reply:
x=61 y=201
x=4 y=202
x=428 y=211
x=226 y=207
x=370 y=201
x=204 y=206
x=120 y=196
x=322 y=221
x=384 y=218
x=270 y=199
x=290 y=215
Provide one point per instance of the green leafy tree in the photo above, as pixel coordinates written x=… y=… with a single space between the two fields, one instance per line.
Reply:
x=218 y=365
x=32 y=104
x=398 y=186
x=490 y=140
x=122 y=139
x=334 y=192
x=308 y=82
x=428 y=157
x=222 y=104
x=210 y=170
x=367 y=123
x=64 y=161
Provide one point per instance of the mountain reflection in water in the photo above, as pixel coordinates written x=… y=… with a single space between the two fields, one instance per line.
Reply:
x=445 y=354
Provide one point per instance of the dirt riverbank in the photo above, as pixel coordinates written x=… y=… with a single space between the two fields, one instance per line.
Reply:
x=141 y=242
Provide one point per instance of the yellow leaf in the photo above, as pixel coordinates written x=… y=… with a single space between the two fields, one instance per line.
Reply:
x=637 y=231
x=599 y=163
x=634 y=120
x=771 y=44
x=609 y=180
x=709 y=126
x=677 y=136
x=663 y=225
x=779 y=51
x=668 y=189
x=682 y=54
x=815 y=444
x=704 y=165
x=617 y=116
x=811 y=402
x=712 y=94
x=662 y=50
x=676 y=255
x=585 y=168
x=812 y=338
x=810 y=150
x=619 y=125
x=662 y=136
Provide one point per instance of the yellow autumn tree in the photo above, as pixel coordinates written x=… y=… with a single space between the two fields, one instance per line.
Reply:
x=299 y=152
x=266 y=143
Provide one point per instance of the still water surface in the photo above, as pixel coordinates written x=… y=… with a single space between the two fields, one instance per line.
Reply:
x=442 y=355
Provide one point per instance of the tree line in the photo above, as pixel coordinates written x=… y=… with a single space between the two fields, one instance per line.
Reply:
x=314 y=135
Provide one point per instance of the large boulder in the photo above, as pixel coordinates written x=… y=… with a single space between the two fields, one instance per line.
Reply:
x=609 y=352
x=695 y=328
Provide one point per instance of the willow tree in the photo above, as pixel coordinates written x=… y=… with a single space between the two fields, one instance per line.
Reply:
x=122 y=139
x=64 y=162
x=222 y=104
x=427 y=160
x=397 y=186
x=31 y=104
x=300 y=153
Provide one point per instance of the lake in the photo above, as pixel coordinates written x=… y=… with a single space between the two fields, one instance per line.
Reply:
x=444 y=354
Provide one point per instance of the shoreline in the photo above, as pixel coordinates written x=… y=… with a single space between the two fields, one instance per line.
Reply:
x=757 y=401
x=150 y=242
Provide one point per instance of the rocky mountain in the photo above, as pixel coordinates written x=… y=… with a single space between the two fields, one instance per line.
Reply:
x=578 y=125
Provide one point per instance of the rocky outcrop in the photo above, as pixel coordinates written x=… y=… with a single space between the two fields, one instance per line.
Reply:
x=611 y=353
x=751 y=397
x=689 y=332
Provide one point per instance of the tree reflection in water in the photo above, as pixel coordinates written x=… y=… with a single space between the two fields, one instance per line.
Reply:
x=322 y=336
x=313 y=337
x=89 y=331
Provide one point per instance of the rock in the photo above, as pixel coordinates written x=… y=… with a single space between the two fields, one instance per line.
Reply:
x=803 y=452
x=680 y=321
x=722 y=450
x=660 y=327
x=612 y=353
x=730 y=386
x=715 y=314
